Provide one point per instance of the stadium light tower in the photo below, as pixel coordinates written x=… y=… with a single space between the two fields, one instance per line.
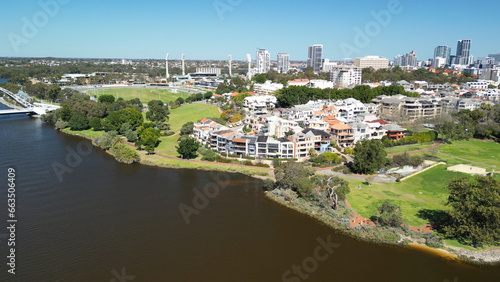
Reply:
x=249 y=59
x=183 y=69
x=230 y=65
x=166 y=65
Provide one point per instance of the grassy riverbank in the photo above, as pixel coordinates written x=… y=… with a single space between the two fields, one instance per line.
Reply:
x=156 y=160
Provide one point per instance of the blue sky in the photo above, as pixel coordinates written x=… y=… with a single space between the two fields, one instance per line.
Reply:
x=212 y=29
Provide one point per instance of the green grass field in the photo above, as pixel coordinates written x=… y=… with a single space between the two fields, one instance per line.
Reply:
x=423 y=191
x=408 y=148
x=145 y=94
x=483 y=152
x=178 y=117
x=191 y=112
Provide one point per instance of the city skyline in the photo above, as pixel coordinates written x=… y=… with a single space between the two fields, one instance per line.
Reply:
x=113 y=29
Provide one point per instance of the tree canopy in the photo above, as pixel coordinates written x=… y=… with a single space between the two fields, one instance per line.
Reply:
x=187 y=148
x=369 y=156
x=475 y=210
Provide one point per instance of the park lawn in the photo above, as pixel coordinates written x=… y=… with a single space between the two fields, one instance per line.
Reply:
x=145 y=94
x=190 y=112
x=408 y=148
x=484 y=152
x=167 y=146
x=86 y=133
x=431 y=183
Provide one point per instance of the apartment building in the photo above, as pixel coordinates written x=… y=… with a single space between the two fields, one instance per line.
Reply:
x=260 y=102
x=342 y=135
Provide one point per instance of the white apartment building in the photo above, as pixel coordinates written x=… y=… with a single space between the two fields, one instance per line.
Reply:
x=277 y=127
x=346 y=76
x=267 y=88
x=480 y=84
x=263 y=61
x=260 y=102
x=320 y=83
x=283 y=62
x=348 y=109
x=375 y=62
x=328 y=66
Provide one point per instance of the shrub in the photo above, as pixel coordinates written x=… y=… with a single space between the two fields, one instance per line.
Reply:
x=125 y=154
x=346 y=222
x=433 y=240
x=60 y=124
x=131 y=135
x=268 y=184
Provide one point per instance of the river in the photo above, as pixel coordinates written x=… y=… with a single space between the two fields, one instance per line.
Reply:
x=101 y=220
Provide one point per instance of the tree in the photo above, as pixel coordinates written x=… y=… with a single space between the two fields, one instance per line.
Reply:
x=369 y=157
x=260 y=78
x=179 y=101
x=106 y=99
x=158 y=112
x=187 y=148
x=96 y=124
x=452 y=131
x=187 y=128
x=149 y=138
x=390 y=215
x=336 y=187
x=65 y=113
x=78 y=122
x=292 y=175
x=331 y=158
x=474 y=217
x=208 y=95
x=132 y=117
x=131 y=135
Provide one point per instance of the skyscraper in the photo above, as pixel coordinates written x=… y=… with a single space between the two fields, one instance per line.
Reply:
x=463 y=52
x=443 y=52
x=411 y=59
x=263 y=61
x=283 y=62
x=315 y=58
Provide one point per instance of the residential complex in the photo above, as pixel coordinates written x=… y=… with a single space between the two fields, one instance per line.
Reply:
x=374 y=62
x=315 y=57
x=263 y=61
x=283 y=62
x=345 y=76
x=462 y=56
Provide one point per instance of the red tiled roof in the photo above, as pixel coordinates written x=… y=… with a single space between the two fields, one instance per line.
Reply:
x=381 y=121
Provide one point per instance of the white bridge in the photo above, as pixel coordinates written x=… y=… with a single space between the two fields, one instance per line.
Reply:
x=28 y=108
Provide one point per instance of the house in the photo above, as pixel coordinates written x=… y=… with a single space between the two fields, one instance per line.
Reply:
x=321 y=140
x=342 y=134
x=260 y=102
x=394 y=131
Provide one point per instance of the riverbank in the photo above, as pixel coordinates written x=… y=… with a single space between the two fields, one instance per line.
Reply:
x=173 y=163
x=487 y=257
